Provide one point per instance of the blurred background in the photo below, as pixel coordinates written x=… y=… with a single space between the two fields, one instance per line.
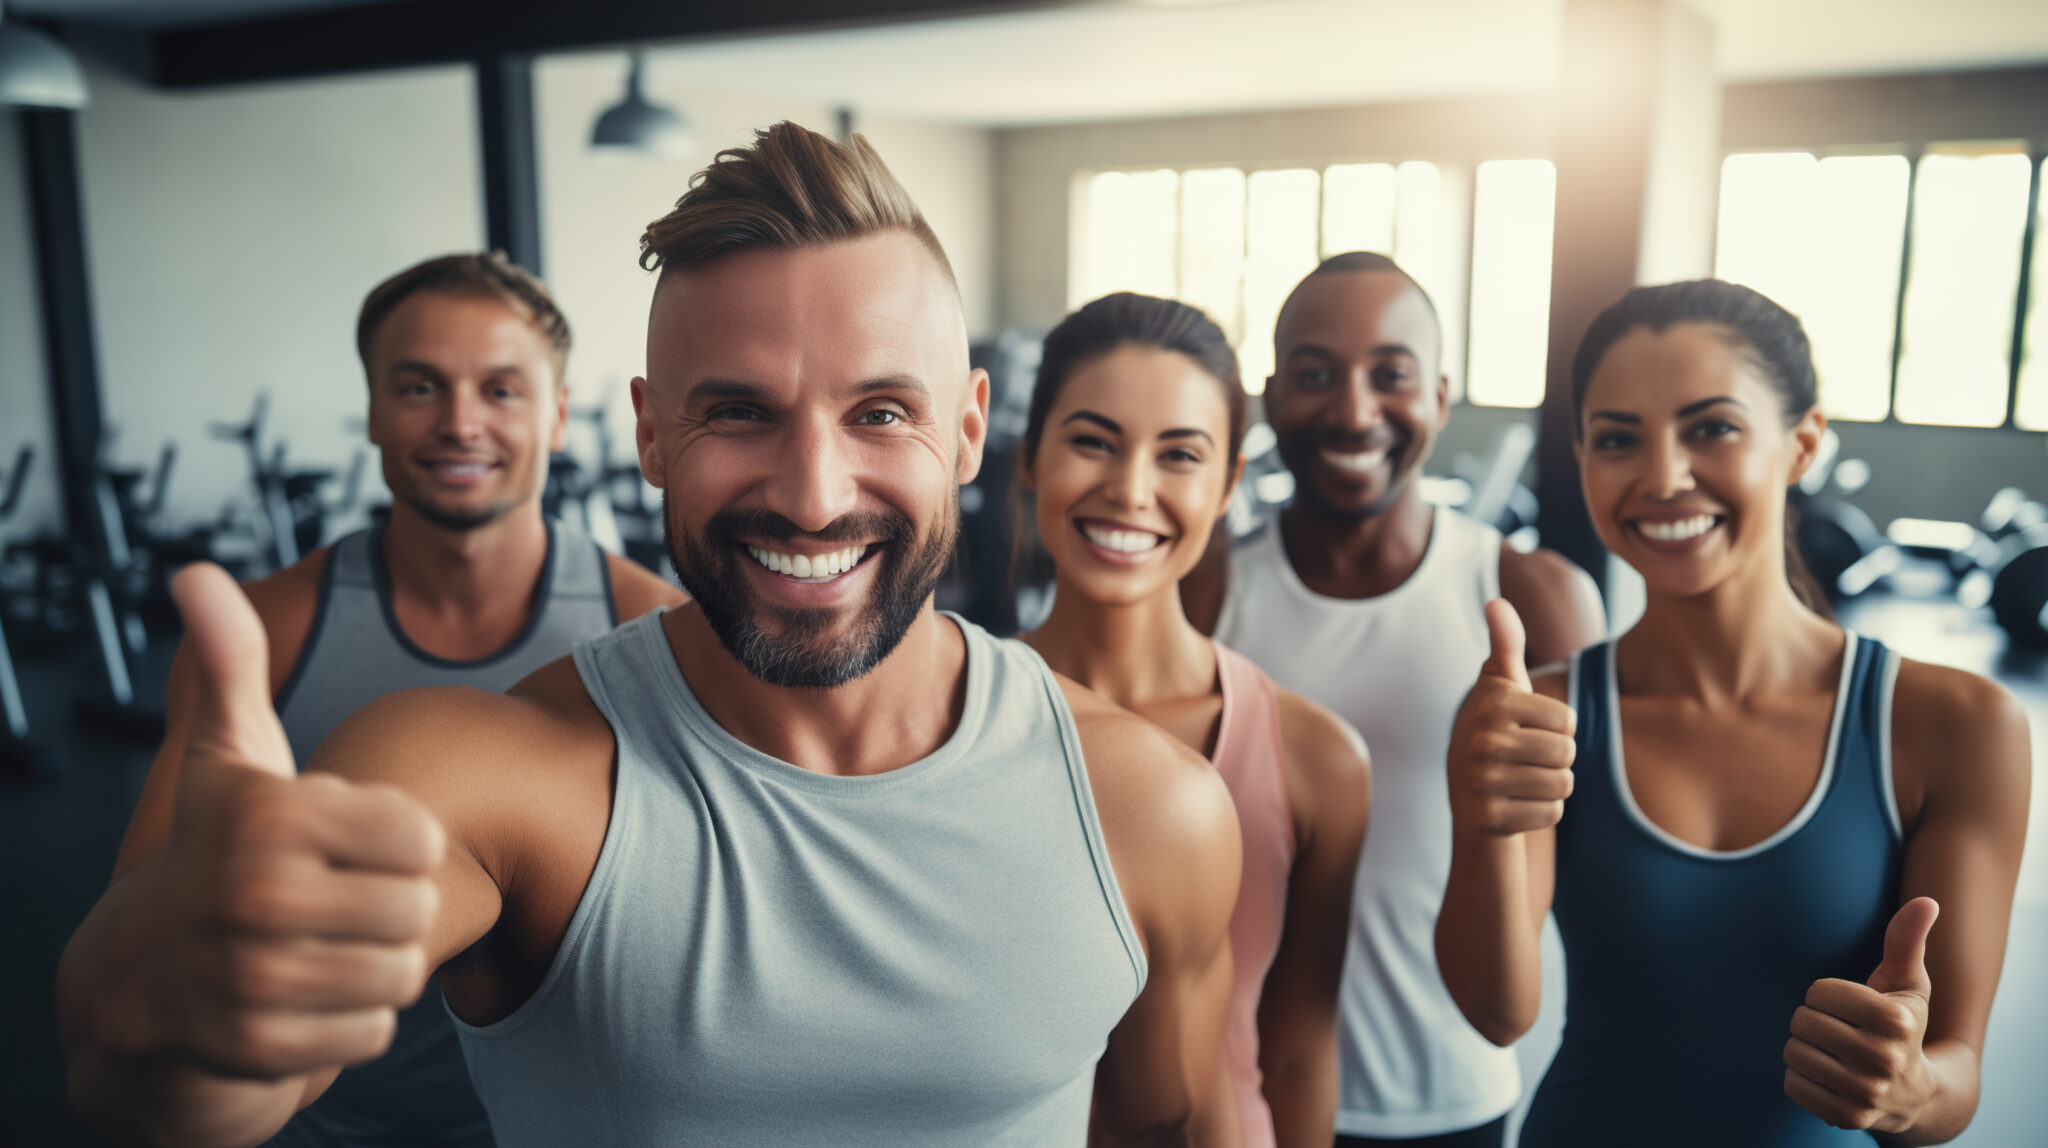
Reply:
x=196 y=194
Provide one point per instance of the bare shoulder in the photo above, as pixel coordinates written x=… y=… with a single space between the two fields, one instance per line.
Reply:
x=636 y=589
x=288 y=602
x=1952 y=728
x=487 y=764
x=1559 y=603
x=1166 y=817
x=1323 y=746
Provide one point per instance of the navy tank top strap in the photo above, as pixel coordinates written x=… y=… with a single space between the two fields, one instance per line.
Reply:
x=1719 y=946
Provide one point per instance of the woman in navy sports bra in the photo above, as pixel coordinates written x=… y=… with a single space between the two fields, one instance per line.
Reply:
x=1750 y=817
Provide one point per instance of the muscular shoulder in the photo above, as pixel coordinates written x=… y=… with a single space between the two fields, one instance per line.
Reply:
x=1329 y=771
x=636 y=589
x=1559 y=604
x=1166 y=818
x=288 y=602
x=493 y=767
x=1321 y=746
x=1954 y=731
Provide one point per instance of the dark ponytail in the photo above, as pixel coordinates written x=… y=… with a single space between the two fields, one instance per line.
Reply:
x=1767 y=334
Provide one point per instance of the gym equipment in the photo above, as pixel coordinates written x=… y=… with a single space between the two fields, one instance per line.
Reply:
x=607 y=498
x=1843 y=548
x=288 y=514
x=2019 y=589
x=14 y=737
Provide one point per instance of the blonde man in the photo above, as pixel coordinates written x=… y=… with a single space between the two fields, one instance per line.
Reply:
x=803 y=862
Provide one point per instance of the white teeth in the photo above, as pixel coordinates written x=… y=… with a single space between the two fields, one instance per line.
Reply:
x=812 y=567
x=1358 y=461
x=1677 y=531
x=1122 y=541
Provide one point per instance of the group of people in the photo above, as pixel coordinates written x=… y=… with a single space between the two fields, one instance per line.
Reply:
x=438 y=852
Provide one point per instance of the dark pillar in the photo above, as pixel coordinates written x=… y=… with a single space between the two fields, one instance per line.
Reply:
x=50 y=146
x=1638 y=161
x=504 y=90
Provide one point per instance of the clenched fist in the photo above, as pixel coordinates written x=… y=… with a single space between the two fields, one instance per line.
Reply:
x=1511 y=748
x=285 y=918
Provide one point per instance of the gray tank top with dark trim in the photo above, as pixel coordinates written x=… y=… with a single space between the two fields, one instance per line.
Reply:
x=930 y=957
x=418 y=1093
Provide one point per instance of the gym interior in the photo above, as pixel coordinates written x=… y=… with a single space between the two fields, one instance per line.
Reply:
x=187 y=230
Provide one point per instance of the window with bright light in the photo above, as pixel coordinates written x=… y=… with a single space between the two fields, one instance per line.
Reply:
x=1822 y=237
x=2030 y=405
x=1234 y=244
x=1279 y=251
x=1130 y=223
x=1513 y=217
x=1955 y=353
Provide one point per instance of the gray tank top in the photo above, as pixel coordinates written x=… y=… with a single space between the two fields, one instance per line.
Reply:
x=931 y=957
x=418 y=1093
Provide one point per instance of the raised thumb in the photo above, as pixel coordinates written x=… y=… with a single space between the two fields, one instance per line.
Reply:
x=1508 y=641
x=1904 y=968
x=234 y=719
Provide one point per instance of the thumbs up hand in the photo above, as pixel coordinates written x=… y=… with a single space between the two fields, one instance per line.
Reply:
x=284 y=919
x=1511 y=748
x=1855 y=1058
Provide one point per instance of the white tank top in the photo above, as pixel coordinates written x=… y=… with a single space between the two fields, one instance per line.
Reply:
x=1396 y=667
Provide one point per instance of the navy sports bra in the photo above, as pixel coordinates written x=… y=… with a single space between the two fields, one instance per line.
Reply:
x=1683 y=965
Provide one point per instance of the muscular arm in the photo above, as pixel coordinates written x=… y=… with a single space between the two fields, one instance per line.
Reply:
x=1330 y=788
x=1964 y=742
x=1173 y=842
x=1559 y=603
x=1488 y=932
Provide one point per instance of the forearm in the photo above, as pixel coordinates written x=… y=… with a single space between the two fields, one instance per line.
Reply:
x=1487 y=945
x=1300 y=1086
x=117 y=1075
x=1948 y=1111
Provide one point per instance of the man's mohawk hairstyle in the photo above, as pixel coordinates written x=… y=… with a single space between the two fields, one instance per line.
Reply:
x=791 y=188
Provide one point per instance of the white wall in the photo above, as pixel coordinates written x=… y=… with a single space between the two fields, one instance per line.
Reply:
x=594 y=206
x=232 y=236
x=24 y=386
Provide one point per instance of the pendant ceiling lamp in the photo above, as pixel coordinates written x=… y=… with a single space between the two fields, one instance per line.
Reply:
x=37 y=71
x=636 y=125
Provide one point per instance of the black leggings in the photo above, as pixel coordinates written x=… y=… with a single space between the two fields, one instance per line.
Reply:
x=1485 y=1136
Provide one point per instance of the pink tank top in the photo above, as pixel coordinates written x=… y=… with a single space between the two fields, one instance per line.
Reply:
x=1248 y=759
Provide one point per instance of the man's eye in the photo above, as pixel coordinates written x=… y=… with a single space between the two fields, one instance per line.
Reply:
x=1312 y=377
x=880 y=417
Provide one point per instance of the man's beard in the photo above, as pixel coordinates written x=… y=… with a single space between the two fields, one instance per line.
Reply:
x=801 y=655
x=1298 y=453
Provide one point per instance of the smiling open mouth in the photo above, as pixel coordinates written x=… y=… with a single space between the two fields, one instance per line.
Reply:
x=1354 y=461
x=1679 y=530
x=1121 y=540
x=809 y=567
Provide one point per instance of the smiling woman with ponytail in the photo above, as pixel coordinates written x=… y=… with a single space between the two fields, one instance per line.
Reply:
x=1747 y=817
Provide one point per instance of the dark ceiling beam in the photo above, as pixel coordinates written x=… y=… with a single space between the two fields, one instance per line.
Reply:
x=367 y=37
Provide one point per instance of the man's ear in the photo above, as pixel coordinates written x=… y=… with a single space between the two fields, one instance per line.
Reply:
x=1443 y=401
x=973 y=429
x=643 y=435
x=560 y=438
x=1807 y=434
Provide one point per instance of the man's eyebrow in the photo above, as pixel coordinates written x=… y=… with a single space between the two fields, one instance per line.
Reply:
x=1107 y=423
x=894 y=383
x=416 y=366
x=705 y=389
